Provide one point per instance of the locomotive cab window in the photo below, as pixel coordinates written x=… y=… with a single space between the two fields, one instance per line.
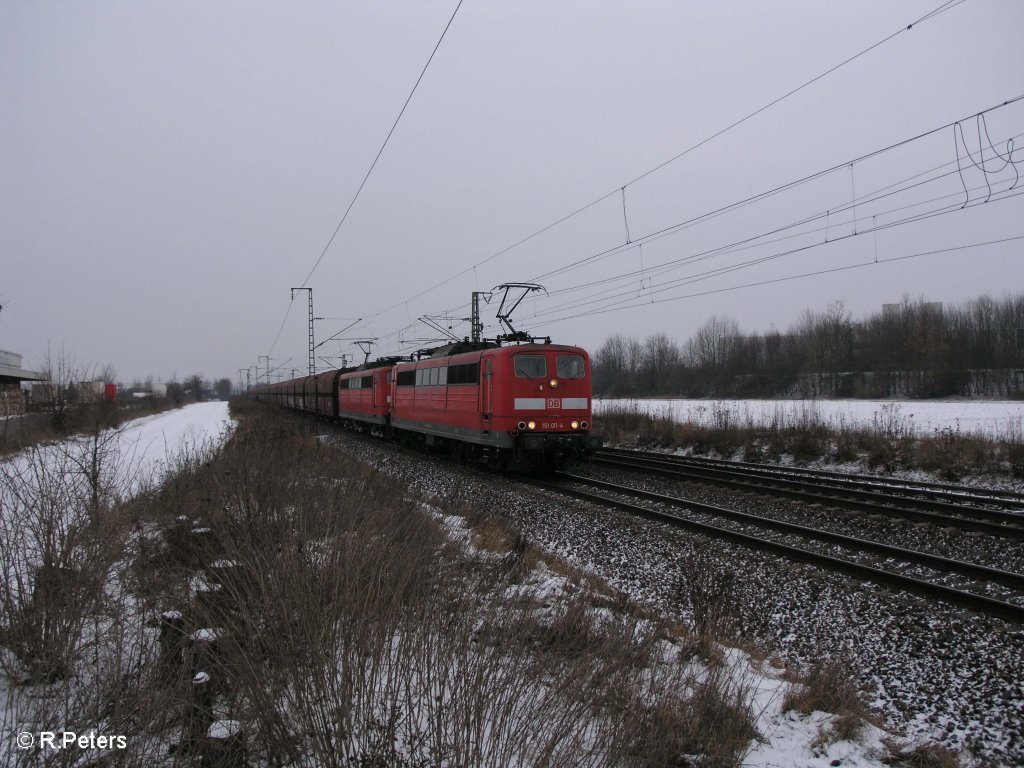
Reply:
x=570 y=367
x=530 y=366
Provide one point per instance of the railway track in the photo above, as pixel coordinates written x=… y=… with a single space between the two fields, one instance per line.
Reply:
x=995 y=513
x=968 y=585
x=902 y=567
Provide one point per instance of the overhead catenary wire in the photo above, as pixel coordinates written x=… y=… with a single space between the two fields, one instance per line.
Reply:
x=373 y=165
x=946 y=6
x=788 y=185
x=940 y=9
x=787 y=278
x=633 y=300
x=874 y=196
x=708 y=215
x=630 y=298
x=951 y=208
x=382 y=146
x=627 y=299
x=758 y=239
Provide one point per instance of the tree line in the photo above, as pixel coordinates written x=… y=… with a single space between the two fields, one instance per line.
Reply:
x=911 y=349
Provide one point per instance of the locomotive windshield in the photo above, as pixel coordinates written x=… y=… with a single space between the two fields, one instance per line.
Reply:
x=530 y=366
x=570 y=367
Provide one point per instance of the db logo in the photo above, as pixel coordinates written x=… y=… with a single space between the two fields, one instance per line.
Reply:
x=554 y=402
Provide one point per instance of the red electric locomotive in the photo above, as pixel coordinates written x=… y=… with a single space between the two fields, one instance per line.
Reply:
x=364 y=395
x=528 y=405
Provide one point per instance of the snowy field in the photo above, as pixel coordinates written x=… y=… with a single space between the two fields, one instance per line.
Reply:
x=131 y=457
x=47 y=494
x=992 y=418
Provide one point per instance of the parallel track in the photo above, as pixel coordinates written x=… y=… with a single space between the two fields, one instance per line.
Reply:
x=946 y=491
x=940 y=506
x=969 y=600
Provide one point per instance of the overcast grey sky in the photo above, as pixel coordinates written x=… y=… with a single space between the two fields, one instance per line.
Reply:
x=170 y=170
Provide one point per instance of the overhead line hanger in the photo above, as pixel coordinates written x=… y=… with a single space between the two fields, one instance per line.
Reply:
x=942 y=8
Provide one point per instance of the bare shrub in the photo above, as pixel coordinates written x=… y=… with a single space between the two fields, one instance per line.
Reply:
x=74 y=637
x=807 y=446
x=711 y=726
x=845 y=441
x=827 y=687
x=945 y=452
x=1012 y=444
x=709 y=591
x=54 y=550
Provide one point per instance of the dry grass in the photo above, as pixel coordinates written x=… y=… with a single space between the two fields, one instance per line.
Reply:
x=827 y=687
x=699 y=729
x=921 y=756
x=888 y=445
x=348 y=629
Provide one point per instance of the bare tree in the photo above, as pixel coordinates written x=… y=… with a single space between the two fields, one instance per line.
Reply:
x=194 y=384
x=223 y=388
x=661 y=356
x=711 y=345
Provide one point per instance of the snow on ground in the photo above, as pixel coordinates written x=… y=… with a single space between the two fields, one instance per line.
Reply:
x=49 y=485
x=992 y=418
x=138 y=453
x=794 y=740
x=154 y=442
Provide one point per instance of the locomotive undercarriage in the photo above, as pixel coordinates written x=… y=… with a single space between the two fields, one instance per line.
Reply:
x=552 y=451
x=534 y=453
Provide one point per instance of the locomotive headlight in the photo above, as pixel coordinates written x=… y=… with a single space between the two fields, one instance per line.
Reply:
x=553 y=383
x=584 y=425
x=531 y=425
x=575 y=425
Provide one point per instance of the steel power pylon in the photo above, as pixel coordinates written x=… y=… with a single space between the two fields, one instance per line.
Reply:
x=477 y=327
x=312 y=346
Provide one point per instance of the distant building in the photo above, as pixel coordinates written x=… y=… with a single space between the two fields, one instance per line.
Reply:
x=11 y=376
x=931 y=307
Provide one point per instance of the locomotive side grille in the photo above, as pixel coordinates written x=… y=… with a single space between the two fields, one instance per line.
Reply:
x=574 y=403
x=529 y=403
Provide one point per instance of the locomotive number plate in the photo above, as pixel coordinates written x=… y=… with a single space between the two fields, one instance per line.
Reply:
x=552 y=425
